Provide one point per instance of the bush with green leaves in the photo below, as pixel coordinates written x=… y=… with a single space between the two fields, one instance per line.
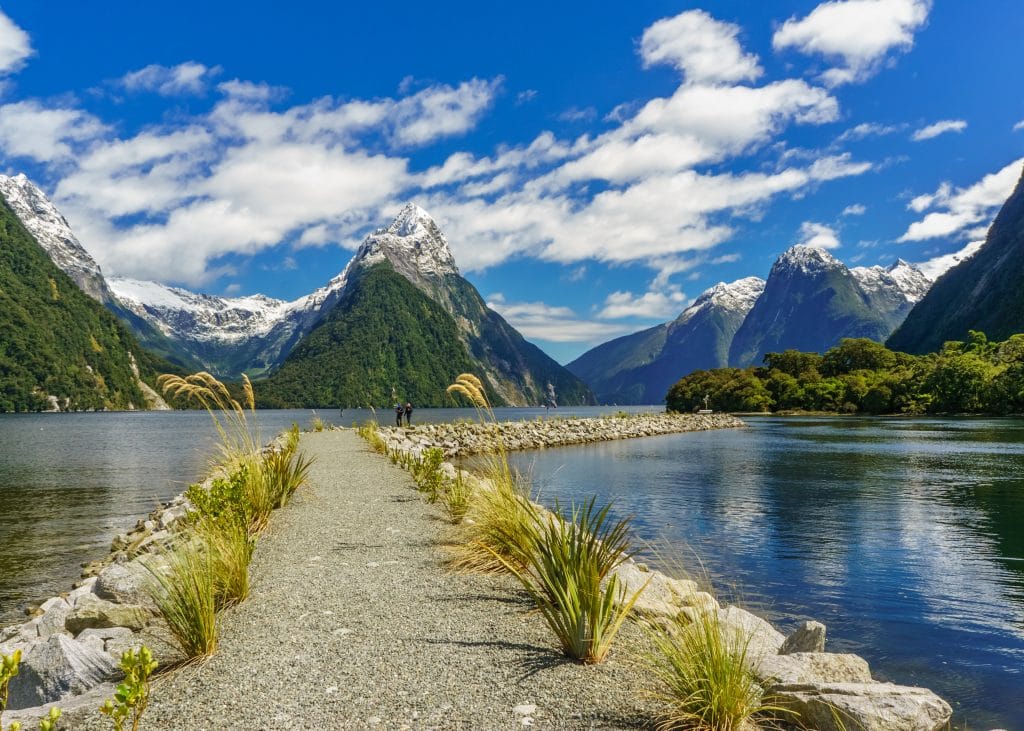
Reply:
x=131 y=697
x=9 y=665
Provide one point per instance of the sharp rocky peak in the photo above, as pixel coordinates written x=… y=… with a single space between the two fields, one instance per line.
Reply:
x=413 y=243
x=807 y=259
x=738 y=296
x=42 y=219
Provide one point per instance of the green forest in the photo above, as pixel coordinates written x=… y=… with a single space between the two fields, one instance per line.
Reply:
x=976 y=376
x=382 y=334
x=55 y=340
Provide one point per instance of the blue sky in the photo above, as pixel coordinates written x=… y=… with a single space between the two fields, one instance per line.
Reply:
x=595 y=165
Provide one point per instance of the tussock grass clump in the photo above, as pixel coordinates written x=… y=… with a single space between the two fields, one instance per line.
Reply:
x=317 y=423
x=569 y=578
x=230 y=547
x=370 y=433
x=284 y=472
x=456 y=497
x=426 y=471
x=504 y=524
x=184 y=589
x=705 y=678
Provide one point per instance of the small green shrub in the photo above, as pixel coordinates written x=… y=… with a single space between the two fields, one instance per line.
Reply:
x=131 y=697
x=184 y=589
x=49 y=721
x=221 y=502
x=706 y=682
x=569 y=579
x=426 y=471
x=9 y=666
x=456 y=496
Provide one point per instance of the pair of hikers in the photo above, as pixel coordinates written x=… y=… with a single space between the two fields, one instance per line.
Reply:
x=403 y=411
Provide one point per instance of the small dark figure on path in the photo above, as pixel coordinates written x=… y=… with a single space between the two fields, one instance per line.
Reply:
x=408 y=414
x=398 y=414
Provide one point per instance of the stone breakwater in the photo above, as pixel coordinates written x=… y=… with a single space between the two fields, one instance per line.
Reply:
x=824 y=690
x=464 y=438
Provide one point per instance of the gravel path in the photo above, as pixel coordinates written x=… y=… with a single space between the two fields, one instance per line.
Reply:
x=353 y=622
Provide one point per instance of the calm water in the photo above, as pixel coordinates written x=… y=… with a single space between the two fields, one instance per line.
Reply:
x=905 y=537
x=69 y=483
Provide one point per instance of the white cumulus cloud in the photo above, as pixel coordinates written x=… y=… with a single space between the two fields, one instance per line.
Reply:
x=15 y=45
x=650 y=305
x=46 y=134
x=859 y=34
x=937 y=266
x=190 y=77
x=818 y=234
x=939 y=128
x=704 y=49
x=960 y=209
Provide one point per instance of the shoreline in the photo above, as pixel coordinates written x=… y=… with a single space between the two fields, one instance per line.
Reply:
x=811 y=675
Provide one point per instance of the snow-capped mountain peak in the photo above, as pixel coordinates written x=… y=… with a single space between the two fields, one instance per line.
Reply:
x=901 y=277
x=51 y=230
x=806 y=259
x=413 y=243
x=738 y=296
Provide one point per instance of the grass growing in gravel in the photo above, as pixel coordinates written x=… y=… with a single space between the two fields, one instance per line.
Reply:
x=504 y=525
x=569 y=578
x=184 y=588
x=705 y=678
x=207 y=570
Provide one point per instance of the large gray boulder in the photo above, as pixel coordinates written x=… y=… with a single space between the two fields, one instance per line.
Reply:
x=803 y=668
x=125 y=583
x=864 y=707
x=91 y=612
x=664 y=596
x=750 y=632
x=58 y=667
x=808 y=637
x=55 y=612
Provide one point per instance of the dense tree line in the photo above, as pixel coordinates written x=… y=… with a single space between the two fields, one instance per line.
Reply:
x=862 y=376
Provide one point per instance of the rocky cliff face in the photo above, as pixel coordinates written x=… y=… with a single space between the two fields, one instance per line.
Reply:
x=812 y=300
x=982 y=292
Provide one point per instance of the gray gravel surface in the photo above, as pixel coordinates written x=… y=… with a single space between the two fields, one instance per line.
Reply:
x=353 y=622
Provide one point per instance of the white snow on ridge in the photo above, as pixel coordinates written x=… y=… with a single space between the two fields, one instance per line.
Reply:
x=806 y=259
x=901 y=277
x=52 y=231
x=738 y=296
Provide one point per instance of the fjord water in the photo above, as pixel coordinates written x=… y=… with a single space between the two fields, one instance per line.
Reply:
x=69 y=483
x=904 y=536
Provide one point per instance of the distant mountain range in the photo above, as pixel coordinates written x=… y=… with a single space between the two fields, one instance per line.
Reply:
x=810 y=302
x=983 y=292
x=259 y=335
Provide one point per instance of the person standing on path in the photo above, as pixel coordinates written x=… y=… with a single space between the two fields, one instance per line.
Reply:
x=398 y=414
x=408 y=413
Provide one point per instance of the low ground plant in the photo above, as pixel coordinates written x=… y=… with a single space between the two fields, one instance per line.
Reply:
x=285 y=471
x=131 y=697
x=317 y=423
x=569 y=578
x=9 y=667
x=230 y=546
x=371 y=434
x=704 y=676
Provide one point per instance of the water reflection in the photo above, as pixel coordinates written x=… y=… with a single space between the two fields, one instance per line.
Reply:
x=904 y=536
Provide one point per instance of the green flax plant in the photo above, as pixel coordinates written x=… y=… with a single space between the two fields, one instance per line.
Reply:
x=131 y=697
x=284 y=471
x=704 y=674
x=569 y=576
x=504 y=525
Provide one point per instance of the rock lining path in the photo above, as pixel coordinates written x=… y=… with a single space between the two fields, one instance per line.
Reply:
x=353 y=622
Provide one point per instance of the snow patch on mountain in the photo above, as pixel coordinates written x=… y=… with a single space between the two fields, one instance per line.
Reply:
x=738 y=296
x=901 y=277
x=179 y=313
x=806 y=260
x=414 y=245
x=54 y=234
